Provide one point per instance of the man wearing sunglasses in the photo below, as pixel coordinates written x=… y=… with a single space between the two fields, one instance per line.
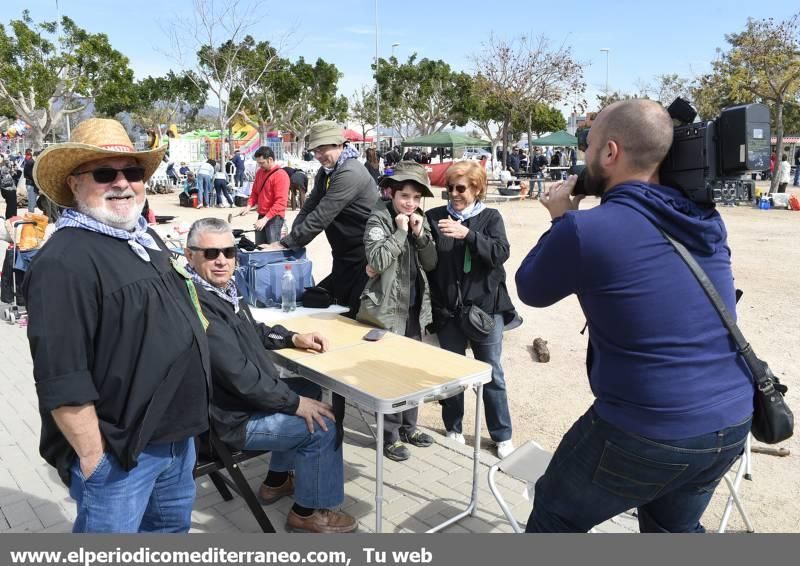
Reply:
x=252 y=408
x=120 y=355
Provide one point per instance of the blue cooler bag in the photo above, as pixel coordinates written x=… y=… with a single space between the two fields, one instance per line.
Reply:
x=258 y=275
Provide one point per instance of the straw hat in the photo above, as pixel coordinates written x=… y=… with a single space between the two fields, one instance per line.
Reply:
x=93 y=139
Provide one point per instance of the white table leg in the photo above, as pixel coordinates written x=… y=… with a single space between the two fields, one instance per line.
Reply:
x=476 y=460
x=379 y=472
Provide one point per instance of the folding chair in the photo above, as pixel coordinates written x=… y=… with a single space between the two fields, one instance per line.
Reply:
x=527 y=463
x=213 y=455
x=742 y=472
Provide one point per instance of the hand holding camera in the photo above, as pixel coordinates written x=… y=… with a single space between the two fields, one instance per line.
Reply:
x=558 y=199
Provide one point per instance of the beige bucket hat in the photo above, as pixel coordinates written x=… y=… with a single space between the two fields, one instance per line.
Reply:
x=92 y=139
x=326 y=132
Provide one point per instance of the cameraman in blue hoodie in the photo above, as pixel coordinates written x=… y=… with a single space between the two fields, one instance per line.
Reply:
x=673 y=400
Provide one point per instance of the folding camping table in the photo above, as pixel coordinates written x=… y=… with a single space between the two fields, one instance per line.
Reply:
x=384 y=377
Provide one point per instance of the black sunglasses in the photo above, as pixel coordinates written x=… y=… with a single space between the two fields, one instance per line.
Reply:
x=459 y=188
x=107 y=175
x=213 y=253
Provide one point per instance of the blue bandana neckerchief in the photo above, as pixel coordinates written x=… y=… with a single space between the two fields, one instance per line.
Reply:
x=138 y=239
x=347 y=153
x=472 y=210
x=229 y=293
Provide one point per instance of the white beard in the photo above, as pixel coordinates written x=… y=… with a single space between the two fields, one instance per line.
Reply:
x=125 y=221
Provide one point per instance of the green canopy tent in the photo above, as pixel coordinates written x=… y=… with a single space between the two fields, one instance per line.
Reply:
x=453 y=140
x=558 y=139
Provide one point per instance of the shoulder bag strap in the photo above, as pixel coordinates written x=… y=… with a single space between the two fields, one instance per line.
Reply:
x=753 y=363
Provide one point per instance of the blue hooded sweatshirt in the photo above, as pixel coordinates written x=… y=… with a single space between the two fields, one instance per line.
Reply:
x=663 y=366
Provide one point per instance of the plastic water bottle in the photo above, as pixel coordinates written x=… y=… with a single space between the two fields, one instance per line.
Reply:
x=288 y=291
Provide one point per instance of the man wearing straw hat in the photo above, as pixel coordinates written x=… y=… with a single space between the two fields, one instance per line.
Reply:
x=117 y=338
x=343 y=196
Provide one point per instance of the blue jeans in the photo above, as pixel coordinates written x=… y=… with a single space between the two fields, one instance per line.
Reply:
x=33 y=194
x=316 y=461
x=154 y=497
x=796 y=182
x=599 y=471
x=495 y=399
x=204 y=189
x=537 y=178
x=238 y=177
x=221 y=188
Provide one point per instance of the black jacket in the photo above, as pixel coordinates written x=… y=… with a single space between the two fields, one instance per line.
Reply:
x=107 y=328
x=340 y=204
x=244 y=379
x=485 y=284
x=27 y=170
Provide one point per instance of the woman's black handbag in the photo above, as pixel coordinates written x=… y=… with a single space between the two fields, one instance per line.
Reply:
x=475 y=323
x=773 y=421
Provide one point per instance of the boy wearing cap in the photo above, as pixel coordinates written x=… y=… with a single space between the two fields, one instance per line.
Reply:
x=343 y=196
x=120 y=357
x=400 y=250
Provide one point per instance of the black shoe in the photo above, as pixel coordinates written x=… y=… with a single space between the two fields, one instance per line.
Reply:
x=416 y=438
x=397 y=451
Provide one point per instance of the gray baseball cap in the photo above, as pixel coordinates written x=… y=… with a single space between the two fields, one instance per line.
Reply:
x=409 y=171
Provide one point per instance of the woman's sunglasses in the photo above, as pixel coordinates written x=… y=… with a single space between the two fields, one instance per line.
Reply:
x=213 y=253
x=107 y=175
x=459 y=188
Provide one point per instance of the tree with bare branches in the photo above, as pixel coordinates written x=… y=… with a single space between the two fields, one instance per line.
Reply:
x=362 y=109
x=215 y=35
x=518 y=72
x=762 y=65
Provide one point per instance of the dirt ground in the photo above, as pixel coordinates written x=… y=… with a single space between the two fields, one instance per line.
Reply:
x=546 y=398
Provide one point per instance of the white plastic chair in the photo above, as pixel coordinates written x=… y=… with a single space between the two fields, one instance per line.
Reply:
x=743 y=471
x=527 y=463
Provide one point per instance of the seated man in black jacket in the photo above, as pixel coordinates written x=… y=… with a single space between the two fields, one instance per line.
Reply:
x=251 y=407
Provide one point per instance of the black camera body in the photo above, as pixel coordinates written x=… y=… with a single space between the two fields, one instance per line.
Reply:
x=707 y=159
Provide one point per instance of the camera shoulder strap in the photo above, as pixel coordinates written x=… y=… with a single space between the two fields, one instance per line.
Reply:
x=753 y=363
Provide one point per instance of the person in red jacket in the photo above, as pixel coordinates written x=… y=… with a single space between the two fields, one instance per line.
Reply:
x=269 y=196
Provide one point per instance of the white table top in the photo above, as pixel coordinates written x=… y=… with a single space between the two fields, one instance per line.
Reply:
x=387 y=376
x=275 y=315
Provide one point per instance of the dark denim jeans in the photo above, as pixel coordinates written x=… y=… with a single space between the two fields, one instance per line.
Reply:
x=221 y=188
x=599 y=471
x=495 y=399
x=317 y=462
x=154 y=497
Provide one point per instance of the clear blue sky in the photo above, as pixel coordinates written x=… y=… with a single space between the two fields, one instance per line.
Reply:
x=645 y=38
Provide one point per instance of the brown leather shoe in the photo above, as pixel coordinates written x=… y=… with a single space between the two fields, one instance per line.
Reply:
x=268 y=495
x=321 y=521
